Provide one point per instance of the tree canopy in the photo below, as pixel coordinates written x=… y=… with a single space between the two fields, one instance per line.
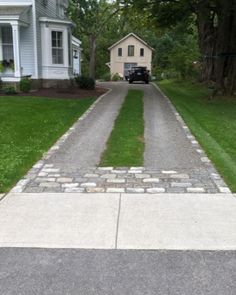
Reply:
x=216 y=23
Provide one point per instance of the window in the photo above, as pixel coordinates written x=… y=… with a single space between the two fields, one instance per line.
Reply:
x=131 y=50
x=57 y=47
x=7 y=44
x=141 y=51
x=119 y=51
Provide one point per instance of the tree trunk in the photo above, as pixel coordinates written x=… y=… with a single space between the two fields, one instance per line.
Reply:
x=226 y=48
x=92 y=53
x=206 y=37
x=217 y=42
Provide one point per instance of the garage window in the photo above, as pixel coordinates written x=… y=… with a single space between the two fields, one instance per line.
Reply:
x=119 y=51
x=141 y=51
x=131 y=50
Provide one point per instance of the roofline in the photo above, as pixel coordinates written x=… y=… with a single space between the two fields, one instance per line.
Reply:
x=127 y=36
x=76 y=40
x=56 y=21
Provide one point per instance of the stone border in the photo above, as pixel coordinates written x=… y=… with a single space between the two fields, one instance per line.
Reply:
x=125 y=180
x=32 y=173
x=222 y=186
x=2 y=196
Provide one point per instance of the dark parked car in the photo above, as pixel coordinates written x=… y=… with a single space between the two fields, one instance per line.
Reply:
x=139 y=74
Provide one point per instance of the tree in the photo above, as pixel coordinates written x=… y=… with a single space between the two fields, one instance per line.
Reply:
x=216 y=22
x=91 y=18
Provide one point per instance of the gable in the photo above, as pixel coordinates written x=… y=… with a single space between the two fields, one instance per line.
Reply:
x=130 y=38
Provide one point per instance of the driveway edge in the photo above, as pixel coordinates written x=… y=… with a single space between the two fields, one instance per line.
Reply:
x=32 y=173
x=215 y=176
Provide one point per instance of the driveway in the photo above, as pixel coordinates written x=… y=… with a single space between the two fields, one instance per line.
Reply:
x=168 y=228
x=173 y=160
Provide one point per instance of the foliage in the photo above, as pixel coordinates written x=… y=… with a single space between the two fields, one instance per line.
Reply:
x=9 y=90
x=211 y=121
x=25 y=84
x=1 y=67
x=106 y=77
x=29 y=127
x=85 y=82
x=125 y=146
x=215 y=21
x=115 y=77
x=92 y=17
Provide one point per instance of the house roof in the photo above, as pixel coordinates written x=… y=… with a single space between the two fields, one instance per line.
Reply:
x=126 y=37
x=8 y=13
x=76 y=41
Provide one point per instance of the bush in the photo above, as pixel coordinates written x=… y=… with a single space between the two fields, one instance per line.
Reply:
x=116 y=77
x=106 y=77
x=9 y=90
x=25 y=85
x=85 y=82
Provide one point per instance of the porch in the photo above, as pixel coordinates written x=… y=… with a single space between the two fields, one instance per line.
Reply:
x=11 y=19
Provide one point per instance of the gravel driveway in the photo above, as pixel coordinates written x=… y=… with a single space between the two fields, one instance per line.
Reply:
x=173 y=160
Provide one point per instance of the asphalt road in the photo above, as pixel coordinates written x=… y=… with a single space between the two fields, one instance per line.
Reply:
x=107 y=272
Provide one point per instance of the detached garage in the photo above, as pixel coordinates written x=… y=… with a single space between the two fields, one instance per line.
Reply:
x=128 y=52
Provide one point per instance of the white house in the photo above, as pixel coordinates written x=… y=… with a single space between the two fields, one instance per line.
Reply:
x=36 y=41
x=128 y=52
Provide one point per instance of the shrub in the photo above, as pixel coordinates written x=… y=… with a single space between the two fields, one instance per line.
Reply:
x=9 y=90
x=106 y=77
x=116 y=77
x=25 y=85
x=85 y=82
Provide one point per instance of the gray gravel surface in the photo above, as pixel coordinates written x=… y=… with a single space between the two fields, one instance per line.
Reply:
x=166 y=145
x=103 y=272
x=84 y=148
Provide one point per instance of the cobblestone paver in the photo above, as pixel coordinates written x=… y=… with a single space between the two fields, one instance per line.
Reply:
x=42 y=178
x=46 y=177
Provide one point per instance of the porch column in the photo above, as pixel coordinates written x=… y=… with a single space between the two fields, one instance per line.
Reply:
x=16 y=48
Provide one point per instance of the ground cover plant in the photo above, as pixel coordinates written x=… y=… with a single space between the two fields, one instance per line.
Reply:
x=212 y=121
x=29 y=127
x=125 y=145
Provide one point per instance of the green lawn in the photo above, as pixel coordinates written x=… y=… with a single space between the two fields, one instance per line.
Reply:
x=212 y=122
x=125 y=146
x=30 y=126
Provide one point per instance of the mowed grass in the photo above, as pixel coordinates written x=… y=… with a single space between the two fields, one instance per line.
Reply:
x=213 y=122
x=125 y=145
x=29 y=127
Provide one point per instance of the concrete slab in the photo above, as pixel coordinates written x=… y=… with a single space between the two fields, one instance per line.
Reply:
x=193 y=222
x=59 y=220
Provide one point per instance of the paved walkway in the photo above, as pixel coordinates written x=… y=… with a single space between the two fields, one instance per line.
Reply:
x=119 y=221
x=117 y=244
x=173 y=160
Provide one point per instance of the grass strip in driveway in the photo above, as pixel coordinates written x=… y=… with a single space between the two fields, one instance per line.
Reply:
x=29 y=127
x=125 y=145
x=213 y=122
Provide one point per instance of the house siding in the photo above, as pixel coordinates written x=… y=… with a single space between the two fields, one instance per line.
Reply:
x=26 y=48
x=50 y=11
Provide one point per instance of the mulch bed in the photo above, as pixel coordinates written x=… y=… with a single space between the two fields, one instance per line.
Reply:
x=71 y=93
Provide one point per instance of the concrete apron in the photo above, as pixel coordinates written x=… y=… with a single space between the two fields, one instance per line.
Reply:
x=119 y=221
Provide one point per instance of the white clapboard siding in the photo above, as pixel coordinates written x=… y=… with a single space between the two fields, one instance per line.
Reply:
x=27 y=48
